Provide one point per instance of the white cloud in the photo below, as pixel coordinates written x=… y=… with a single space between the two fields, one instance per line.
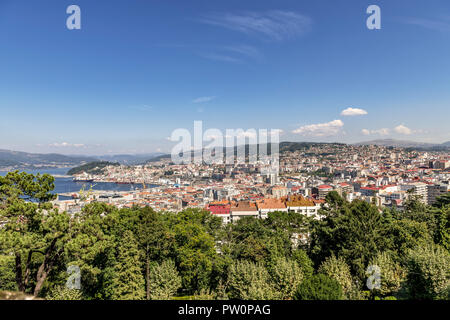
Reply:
x=432 y=24
x=353 y=112
x=321 y=129
x=220 y=57
x=66 y=144
x=203 y=99
x=381 y=132
x=401 y=129
x=245 y=50
x=275 y=24
x=141 y=107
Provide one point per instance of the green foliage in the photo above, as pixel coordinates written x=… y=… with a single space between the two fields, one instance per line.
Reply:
x=164 y=280
x=334 y=200
x=338 y=269
x=386 y=298
x=404 y=234
x=392 y=274
x=24 y=186
x=128 y=281
x=63 y=293
x=356 y=233
x=304 y=261
x=138 y=253
x=443 y=200
x=417 y=211
x=195 y=253
x=286 y=277
x=153 y=234
x=428 y=272
x=319 y=287
x=31 y=230
x=442 y=235
x=7 y=275
x=95 y=167
x=249 y=281
x=93 y=249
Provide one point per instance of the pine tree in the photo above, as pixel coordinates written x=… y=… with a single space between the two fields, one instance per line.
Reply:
x=128 y=281
x=443 y=229
x=164 y=280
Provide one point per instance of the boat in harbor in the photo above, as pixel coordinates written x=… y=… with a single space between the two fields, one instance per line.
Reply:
x=78 y=179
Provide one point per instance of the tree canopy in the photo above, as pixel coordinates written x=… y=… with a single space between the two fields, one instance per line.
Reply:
x=139 y=253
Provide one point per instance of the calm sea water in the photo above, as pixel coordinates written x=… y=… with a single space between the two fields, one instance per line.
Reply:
x=63 y=185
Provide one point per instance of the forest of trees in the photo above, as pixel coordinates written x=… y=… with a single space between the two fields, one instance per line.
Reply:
x=95 y=167
x=138 y=253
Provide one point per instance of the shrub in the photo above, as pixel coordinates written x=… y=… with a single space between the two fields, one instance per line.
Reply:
x=319 y=287
x=338 y=269
x=286 y=277
x=428 y=272
x=249 y=281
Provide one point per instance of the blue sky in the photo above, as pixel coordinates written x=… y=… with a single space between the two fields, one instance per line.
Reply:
x=137 y=70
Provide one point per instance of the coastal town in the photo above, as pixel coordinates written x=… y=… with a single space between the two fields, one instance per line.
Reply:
x=384 y=176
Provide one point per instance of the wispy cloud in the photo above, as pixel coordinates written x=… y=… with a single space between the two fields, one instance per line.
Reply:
x=381 y=132
x=220 y=57
x=274 y=25
x=245 y=50
x=66 y=145
x=141 y=107
x=353 y=112
x=232 y=53
x=203 y=99
x=400 y=129
x=321 y=129
x=432 y=24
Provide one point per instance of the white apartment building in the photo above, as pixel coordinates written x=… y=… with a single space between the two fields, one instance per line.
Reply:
x=419 y=189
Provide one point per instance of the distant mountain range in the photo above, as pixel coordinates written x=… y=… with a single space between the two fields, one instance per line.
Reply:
x=244 y=149
x=130 y=159
x=407 y=144
x=17 y=159
x=23 y=160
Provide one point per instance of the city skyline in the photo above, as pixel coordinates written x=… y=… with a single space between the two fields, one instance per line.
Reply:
x=134 y=73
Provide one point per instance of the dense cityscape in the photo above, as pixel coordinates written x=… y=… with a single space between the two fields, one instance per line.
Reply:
x=385 y=176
